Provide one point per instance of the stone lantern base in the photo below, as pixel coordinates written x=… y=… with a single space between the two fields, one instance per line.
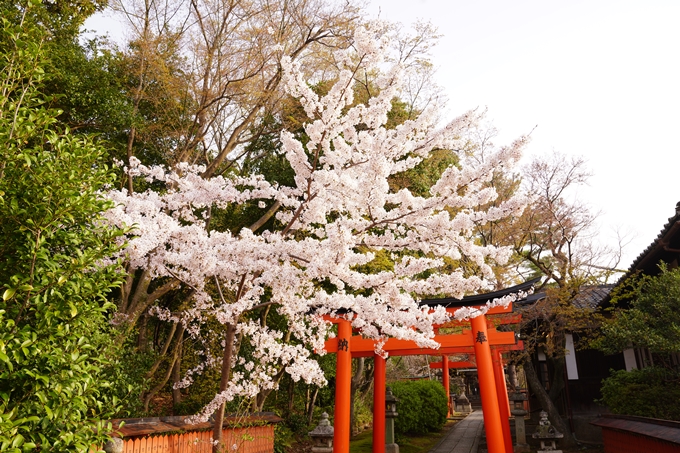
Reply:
x=391 y=448
x=463 y=404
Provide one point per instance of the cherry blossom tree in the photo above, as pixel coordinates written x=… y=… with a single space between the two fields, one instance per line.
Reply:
x=329 y=225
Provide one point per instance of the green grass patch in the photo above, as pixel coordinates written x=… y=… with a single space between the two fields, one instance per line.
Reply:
x=363 y=443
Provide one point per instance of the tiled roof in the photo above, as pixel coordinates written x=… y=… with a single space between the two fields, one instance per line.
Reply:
x=588 y=297
x=592 y=296
x=479 y=299
x=661 y=240
x=666 y=248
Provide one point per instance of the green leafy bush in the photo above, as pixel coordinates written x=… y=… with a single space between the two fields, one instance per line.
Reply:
x=651 y=392
x=363 y=410
x=422 y=406
x=651 y=318
x=55 y=336
x=283 y=438
x=297 y=423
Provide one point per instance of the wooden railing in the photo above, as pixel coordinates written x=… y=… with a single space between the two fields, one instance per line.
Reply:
x=252 y=434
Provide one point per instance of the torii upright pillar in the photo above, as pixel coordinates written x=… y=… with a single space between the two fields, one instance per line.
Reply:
x=503 y=400
x=487 y=386
x=379 y=404
x=446 y=382
x=343 y=386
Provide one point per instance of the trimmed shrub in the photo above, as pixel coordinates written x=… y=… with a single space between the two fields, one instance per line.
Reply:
x=651 y=392
x=422 y=406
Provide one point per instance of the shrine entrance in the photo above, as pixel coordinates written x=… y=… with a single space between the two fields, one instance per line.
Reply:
x=481 y=339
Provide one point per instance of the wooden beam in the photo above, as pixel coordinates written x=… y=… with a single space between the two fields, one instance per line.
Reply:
x=500 y=310
x=367 y=345
x=502 y=319
x=443 y=351
x=459 y=364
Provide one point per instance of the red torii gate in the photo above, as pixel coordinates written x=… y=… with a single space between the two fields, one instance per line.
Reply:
x=478 y=340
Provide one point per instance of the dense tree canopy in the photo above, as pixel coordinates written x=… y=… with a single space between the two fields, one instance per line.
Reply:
x=647 y=314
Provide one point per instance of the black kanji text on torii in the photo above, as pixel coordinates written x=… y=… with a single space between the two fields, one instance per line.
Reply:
x=481 y=337
x=343 y=345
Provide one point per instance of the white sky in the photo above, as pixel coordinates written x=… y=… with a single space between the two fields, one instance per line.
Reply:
x=599 y=79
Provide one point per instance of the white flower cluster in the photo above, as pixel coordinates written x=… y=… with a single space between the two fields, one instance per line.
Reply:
x=341 y=206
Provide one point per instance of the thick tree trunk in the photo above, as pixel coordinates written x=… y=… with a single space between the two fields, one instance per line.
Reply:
x=224 y=381
x=547 y=404
x=557 y=383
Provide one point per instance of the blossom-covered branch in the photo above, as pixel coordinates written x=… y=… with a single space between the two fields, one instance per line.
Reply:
x=339 y=213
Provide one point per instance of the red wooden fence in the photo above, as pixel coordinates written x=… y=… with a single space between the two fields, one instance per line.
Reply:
x=253 y=434
x=257 y=439
x=627 y=434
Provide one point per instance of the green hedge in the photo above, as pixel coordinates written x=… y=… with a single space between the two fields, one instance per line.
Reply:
x=422 y=406
x=650 y=392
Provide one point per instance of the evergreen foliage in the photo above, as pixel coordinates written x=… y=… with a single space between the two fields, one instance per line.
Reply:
x=652 y=319
x=56 y=389
x=651 y=392
x=647 y=316
x=422 y=407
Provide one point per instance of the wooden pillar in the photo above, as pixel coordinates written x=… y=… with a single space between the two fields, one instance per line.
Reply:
x=379 y=405
x=343 y=385
x=446 y=382
x=487 y=386
x=503 y=400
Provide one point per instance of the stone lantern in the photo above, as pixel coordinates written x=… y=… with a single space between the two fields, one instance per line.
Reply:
x=390 y=414
x=518 y=399
x=463 y=404
x=322 y=436
x=547 y=435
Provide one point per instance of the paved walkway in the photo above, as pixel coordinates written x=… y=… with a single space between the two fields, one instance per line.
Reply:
x=464 y=436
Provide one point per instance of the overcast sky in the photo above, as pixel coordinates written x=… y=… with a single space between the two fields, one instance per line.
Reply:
x=599 y=79
x=595 y=78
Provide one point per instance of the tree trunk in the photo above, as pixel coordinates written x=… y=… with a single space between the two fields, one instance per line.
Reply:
x=142 y=342
x=547 y=404
x=557 y=382
x=310 y=412
x=174 y=361
x=512 y=377
x=258 y=402
x=176 y=376
x=291 y=396
x=224 y=381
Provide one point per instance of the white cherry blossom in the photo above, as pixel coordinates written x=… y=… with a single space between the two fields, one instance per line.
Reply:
x=341 y=211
